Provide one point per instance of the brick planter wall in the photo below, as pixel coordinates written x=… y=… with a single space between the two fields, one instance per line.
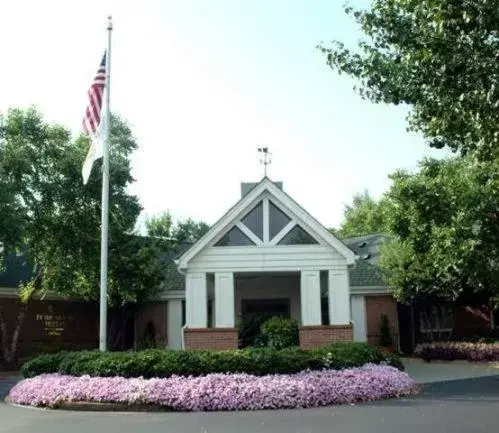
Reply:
x=319 y=336
x=211 y=338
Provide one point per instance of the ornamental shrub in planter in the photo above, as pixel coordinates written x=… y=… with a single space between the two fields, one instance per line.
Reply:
x=166 y=363
x=453 y=350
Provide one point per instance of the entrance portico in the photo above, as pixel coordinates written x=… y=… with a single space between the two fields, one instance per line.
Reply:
x=266 y=247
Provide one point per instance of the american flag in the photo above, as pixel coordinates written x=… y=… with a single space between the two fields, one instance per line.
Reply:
x=92 y=118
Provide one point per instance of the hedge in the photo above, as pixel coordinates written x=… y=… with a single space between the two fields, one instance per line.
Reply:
x=165 y=363
x=456 y=350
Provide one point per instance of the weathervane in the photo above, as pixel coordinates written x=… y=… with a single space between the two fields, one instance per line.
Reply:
x=266 y=158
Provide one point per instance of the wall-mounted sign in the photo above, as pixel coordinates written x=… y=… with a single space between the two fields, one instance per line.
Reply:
x=53 y=323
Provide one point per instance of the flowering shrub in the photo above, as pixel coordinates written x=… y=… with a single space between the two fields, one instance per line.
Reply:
x=166 y=363
x=220 y=391
x=453 y=350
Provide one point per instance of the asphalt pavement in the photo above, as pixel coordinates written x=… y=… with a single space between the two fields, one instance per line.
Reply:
x=460 y=406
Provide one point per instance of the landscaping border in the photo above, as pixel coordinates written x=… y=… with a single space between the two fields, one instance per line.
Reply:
x=215 y=392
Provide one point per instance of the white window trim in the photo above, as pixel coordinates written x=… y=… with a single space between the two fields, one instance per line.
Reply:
x=284 y=231
x=266 y=220
x=252 y=236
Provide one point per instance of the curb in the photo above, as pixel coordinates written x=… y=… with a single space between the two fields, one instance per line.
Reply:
x=123 y=407
x=83 y=406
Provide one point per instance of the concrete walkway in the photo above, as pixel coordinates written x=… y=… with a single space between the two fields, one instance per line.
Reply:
x=441 y=371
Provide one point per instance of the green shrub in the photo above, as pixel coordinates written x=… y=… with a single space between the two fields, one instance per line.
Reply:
x=47 y=363
x=165 y=363
x=385 y=333
x=347 y=355
x=280 y=332
x=249 y=329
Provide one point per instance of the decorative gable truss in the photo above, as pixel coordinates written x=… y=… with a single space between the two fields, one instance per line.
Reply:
x=266 y=216
x=266 y=224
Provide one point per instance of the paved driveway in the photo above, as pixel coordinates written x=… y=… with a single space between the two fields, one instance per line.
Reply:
x=462 y=406
x=439 y=371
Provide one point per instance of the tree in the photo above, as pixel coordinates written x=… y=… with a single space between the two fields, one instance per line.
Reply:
x=170 y=235
x=160 y=226
x=365 y=215
x=61 y=216
x=189 y=231
x=10 y=216
x=440 y=57
x=446 y=232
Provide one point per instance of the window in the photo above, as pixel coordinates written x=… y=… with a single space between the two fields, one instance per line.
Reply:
x=254 y=220
x=277 y=220
x=437 y=318
x=248 y=230
x=297 y=236
x=325 y=310
x=234 y=237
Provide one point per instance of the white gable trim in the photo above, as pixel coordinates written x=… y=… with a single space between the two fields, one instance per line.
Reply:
x=251 y=199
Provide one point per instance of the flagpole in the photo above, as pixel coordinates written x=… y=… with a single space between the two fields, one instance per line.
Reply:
x=105 y=200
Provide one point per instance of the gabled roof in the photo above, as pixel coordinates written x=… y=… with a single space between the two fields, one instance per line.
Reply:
x=366 y=272
x=265 y=185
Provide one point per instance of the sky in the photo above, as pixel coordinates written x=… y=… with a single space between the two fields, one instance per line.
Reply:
x=203 y=84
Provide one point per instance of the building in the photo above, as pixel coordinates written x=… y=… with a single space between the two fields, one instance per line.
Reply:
x=265 y=255
x=269 y=255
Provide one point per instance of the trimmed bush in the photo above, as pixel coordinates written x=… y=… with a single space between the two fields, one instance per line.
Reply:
x=280 y=332
x=220 y=391
x=165 y=363
x=385 y=333
x=454 y=350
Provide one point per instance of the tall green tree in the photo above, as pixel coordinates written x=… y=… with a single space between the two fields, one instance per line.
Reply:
x=439 y=57
x=365 y=215
x=61 y=217
x=189 y=231
x=445 y=231
x=172 y=235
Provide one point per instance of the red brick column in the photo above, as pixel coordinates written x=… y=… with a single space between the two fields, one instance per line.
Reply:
x=211 y=338
x=312 y=337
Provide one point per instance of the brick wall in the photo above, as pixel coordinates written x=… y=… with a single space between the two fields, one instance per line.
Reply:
x=473 y=319
x=211 y=338
x=53 y=325
x=320 y=336
x=375 y=306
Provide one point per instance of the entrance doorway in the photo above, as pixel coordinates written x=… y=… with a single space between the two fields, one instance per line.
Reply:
x=254 y=312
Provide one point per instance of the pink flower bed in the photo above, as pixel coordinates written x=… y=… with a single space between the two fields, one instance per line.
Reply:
x=454 y=350
x=220 y=391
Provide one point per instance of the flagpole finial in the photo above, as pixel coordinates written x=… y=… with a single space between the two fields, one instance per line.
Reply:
x=109 y=22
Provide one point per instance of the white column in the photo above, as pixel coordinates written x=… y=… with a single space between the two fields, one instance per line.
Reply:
x=310 y=292
x=339 y=297
x=174 y=321
x=196 y=307
x=358 y=303
x=224 y=300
